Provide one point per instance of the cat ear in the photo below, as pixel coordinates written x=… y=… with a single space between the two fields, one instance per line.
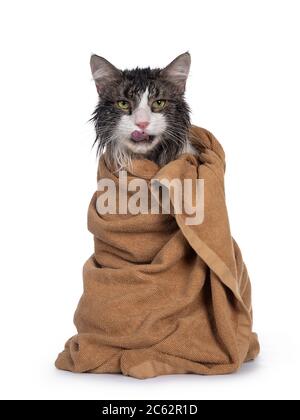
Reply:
x=177 y=71
x=103 y=72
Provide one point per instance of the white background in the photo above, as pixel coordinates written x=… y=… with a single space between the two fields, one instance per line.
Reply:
x=244 y=87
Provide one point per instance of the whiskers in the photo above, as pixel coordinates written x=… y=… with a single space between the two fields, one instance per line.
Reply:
x=113 y=137
x=169 y=146
x=172 y=143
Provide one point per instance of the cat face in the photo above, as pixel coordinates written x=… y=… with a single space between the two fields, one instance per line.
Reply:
x=141 y=112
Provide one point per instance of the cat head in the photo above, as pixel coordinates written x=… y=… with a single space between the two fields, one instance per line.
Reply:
x=141 y=112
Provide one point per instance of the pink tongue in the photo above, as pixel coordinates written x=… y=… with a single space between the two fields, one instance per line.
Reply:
x=139 y=136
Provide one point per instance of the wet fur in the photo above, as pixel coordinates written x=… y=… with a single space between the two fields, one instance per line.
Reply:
x=130 y=86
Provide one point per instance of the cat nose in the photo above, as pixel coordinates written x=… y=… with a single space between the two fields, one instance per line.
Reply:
x=142 y=124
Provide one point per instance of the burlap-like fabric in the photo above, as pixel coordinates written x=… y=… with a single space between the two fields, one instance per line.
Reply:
x=160 y=296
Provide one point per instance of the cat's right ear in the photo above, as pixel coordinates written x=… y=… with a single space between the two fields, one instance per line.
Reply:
x=103 y=72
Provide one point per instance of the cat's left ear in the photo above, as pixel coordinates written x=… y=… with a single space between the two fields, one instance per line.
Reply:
x=103 y=72
x=178 y=70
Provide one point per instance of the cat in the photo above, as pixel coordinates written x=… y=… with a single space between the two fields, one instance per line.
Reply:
x=141 y=113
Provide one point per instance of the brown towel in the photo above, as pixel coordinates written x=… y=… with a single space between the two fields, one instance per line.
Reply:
x=160 y=296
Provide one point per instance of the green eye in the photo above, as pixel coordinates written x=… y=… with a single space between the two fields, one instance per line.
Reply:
x=123 y=105
x=158 y=105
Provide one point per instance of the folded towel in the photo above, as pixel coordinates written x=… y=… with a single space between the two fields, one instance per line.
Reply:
x=162 y=296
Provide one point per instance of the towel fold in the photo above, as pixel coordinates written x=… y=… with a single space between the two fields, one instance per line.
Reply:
x=162 y=296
